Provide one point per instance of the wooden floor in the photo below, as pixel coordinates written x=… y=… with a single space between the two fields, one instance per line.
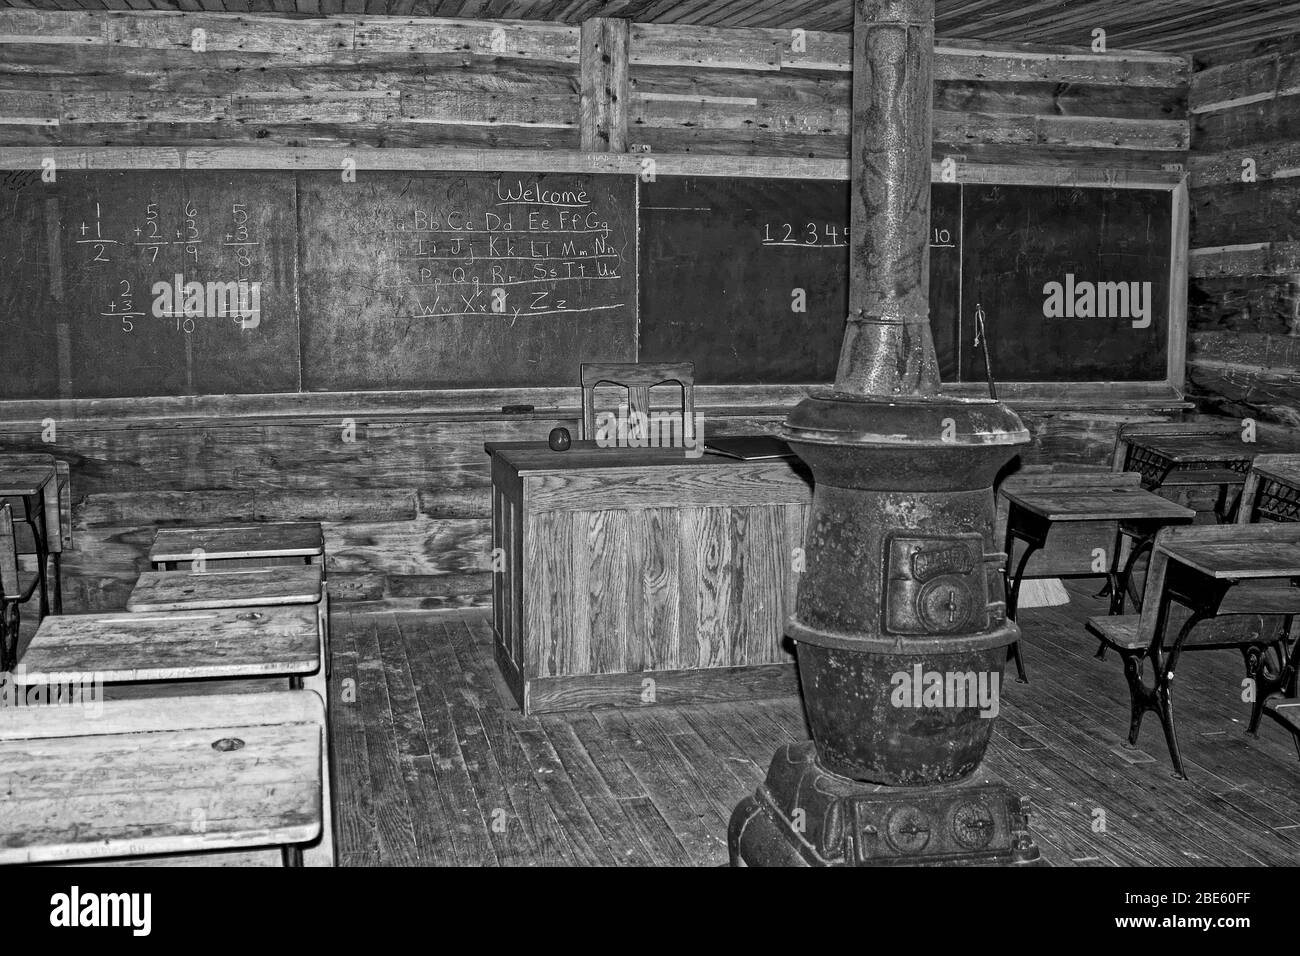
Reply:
x=434 y=765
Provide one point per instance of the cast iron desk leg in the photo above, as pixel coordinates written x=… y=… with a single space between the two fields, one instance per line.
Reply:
x=1032 y=530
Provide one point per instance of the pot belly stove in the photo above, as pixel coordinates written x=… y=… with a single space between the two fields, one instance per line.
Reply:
x=900 y=622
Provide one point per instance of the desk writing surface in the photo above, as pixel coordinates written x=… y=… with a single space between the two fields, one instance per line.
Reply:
x=1199 y=448
x=174 y=645
x=1238 y=552
x=155 y=772
x=22 y=480
x=1282 y=468
x=591 y=478
x=1098 y=504
x=255 y=587
x=262 y=540
x=537 y=457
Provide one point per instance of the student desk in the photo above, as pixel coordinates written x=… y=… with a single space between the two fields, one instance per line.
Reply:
x=176 y=775
x=172 y=646
x=637 y=575
x=250 y=587
x=1212 y=570
x=224 y=548
x=218 y=644
x=34 y=479
x=1033 y=511
x=174 y=548
x=1174 y=460
x=254 y=589
x=1272 y=490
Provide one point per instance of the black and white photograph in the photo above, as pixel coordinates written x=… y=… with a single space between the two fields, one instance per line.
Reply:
x=650 y=435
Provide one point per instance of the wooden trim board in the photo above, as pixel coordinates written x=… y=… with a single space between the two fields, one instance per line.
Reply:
x=549 y=404
x=708 y=685
x=551 y=161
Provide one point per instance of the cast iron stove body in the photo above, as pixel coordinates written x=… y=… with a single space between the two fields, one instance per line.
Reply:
x=900 y=622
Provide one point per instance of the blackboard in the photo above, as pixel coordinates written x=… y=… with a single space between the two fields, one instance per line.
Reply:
x=748 y=278
x=722 y=261
x=123 y=283
x=1019 y=240
x=29 y=357
x=443 y=280
x=446 y=279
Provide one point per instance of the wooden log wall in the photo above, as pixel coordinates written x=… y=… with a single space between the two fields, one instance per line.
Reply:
x=1244 y=283
x=405 y=496
x=133 y=78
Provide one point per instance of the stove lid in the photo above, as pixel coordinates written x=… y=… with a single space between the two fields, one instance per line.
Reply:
x=920 y=421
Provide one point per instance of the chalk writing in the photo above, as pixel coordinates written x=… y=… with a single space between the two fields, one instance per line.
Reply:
x=150 y=248
x=831 y=235
x=528 y=251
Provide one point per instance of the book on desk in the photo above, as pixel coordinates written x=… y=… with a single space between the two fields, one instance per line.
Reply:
x=749 y=447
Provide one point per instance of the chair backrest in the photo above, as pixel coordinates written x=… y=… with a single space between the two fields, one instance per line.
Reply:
x=8 y=554
x=637 y=378
x=1265 y=494
x=1123 y=436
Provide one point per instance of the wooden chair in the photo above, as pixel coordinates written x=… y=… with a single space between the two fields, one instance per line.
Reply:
x=638 y=379
x=1144 y=637
x=16 y=588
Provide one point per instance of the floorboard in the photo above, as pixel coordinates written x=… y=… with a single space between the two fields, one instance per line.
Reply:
x=435 y=764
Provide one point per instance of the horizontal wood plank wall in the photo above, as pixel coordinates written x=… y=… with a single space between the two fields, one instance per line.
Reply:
x=1244 y=295
x=405 y=498
x=749 y=92
x=133 y=78
x=129 y=78
x=406 y=501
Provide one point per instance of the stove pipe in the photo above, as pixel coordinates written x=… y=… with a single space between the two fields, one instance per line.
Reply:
x=902 y=578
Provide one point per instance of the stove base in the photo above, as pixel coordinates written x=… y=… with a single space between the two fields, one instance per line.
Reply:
x=803 y=815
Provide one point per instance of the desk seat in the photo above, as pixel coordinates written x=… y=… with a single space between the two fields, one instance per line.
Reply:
x=1121 y=631
x=1197 y=478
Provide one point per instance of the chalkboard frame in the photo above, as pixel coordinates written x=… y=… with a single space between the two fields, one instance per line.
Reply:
x=485 y=160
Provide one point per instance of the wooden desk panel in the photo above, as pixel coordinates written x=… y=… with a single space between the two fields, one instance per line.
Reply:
x=622 y=565
x=132 y=781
